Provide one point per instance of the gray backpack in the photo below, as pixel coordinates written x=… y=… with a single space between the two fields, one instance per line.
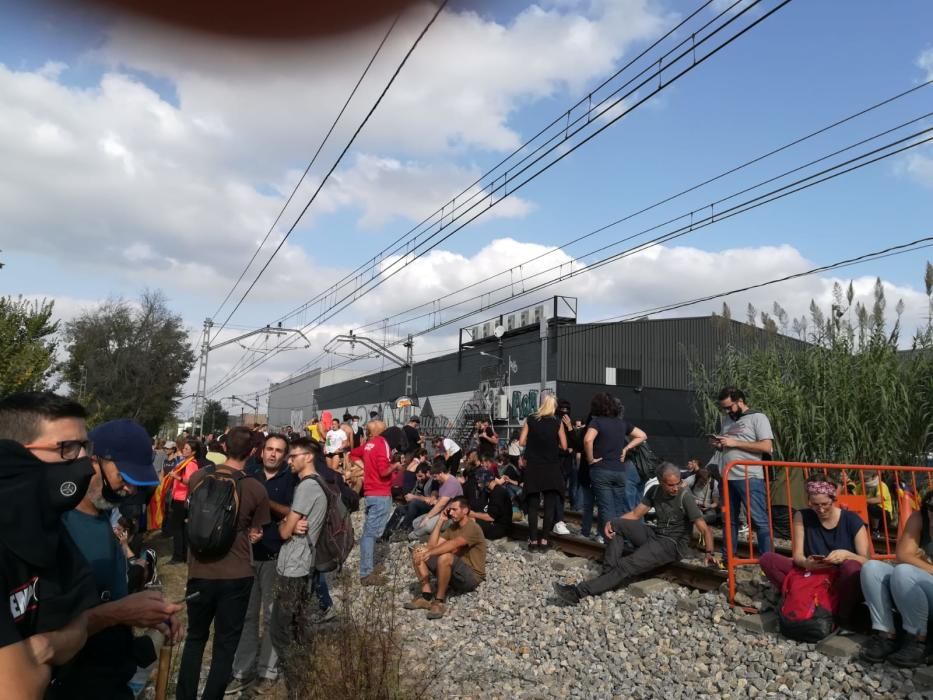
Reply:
x=335 y=541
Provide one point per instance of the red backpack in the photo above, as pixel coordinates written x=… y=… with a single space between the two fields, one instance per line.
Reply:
x=808 y=605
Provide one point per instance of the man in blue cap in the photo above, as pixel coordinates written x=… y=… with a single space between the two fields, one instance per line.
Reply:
x=121 y=454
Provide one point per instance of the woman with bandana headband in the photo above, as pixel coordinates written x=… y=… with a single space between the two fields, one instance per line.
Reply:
x=825 y=536
x=907 y=588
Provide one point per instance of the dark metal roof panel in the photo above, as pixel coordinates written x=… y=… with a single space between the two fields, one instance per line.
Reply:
x=655 y=352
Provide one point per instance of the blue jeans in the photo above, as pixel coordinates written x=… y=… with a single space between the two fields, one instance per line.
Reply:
x=906 y=587
x=378 y=510
x=633 y=486
x=608 y=492
x=586 y=509
x=323 y=592
x=759 y=507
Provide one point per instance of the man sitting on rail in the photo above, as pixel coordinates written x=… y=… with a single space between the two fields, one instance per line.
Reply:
x=677 y=513
x=456 y=555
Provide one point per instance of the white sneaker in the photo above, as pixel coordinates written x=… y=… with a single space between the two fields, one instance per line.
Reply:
x=599 y=539
x=560 y=528
x=743 y=531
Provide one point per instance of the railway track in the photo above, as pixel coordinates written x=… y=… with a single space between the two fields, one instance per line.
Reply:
x=684 y=573
x=880 y=544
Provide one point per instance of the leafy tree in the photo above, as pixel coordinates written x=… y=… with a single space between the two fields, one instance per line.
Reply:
x=848 y=395
x=27 y=344
x=131 y=359
x=215 y=417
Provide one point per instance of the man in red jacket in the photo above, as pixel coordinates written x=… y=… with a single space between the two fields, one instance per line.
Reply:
x=378 y=470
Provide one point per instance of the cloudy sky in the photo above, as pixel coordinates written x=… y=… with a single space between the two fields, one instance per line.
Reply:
x=132 y=157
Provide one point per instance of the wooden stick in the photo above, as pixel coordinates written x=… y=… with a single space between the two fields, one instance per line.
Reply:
x=165 y=666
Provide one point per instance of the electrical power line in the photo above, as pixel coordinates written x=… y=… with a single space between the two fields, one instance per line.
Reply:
x=713 y=217
x=690 y=51
x=435 y=309
x=523 y=148
x=629 y=317
x=304 y=174
x=415 y=249
x=340 y=157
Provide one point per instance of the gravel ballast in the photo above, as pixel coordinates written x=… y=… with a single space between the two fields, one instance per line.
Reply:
x=512 y=639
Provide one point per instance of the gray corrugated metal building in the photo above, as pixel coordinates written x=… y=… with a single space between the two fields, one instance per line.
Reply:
x=645 y=362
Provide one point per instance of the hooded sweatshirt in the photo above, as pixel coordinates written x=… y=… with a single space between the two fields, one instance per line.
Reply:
x=48 y=582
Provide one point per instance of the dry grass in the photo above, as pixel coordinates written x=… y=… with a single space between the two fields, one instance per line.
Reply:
x=359 y=655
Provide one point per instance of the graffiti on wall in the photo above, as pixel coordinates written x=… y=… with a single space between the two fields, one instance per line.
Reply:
x=431 y=424
x=524 y=404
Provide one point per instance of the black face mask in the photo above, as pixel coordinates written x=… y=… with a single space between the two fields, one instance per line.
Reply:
x=67 y=482
x=735 y=414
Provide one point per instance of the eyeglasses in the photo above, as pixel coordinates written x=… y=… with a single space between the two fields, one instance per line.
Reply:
x=68 y=449
x=298 y=454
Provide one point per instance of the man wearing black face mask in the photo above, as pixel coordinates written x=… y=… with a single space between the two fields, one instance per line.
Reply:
x=44 y=472
x=745 y=435
x=122 y=461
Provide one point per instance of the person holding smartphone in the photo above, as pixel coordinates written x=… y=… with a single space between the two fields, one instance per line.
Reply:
x=825 y=536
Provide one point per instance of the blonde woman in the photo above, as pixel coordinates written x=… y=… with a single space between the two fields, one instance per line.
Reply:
x=543 y=441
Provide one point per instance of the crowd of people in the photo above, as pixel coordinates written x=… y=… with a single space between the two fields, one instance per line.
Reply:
x=248 y=511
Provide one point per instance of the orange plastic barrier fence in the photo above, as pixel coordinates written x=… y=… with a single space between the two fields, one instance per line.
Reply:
x=896 y=496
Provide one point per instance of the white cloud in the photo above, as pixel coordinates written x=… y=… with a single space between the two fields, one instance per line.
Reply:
x=174 y=189
x=386 y=188
x=919 y=166
x=656 y=277
x=925 y=62
x=459 y=88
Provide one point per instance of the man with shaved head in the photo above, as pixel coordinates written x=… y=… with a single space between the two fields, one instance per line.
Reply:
x=677 y=514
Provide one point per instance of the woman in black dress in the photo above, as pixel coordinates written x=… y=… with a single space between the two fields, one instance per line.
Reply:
x=543 y=441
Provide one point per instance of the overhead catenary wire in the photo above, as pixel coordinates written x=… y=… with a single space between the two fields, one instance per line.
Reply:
x=339 y=158
x=304 y=175
x=387 y=250
x=435 y=309
x=713 y=217
x=434 y=240
x=556 y=143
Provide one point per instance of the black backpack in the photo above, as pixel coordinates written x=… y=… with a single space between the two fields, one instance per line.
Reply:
x=646 y=461
x=213 y=510
x=335 y=541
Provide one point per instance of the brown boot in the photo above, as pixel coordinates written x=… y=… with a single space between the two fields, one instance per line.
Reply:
x=437 y=611
x=418 y=603
x=373 y=579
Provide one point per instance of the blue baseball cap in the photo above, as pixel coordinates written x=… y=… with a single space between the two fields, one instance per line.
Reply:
x=126 y=443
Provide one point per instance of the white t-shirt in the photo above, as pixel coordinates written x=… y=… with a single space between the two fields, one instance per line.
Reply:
x=334 y=441
x=450 y=447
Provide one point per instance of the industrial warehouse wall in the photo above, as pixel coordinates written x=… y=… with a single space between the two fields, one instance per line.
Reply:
x=292 y=402
x=437 y=411
x=667 y=416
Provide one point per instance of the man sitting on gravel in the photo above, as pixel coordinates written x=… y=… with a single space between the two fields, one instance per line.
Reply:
x=457 y=556
x=676 y=512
